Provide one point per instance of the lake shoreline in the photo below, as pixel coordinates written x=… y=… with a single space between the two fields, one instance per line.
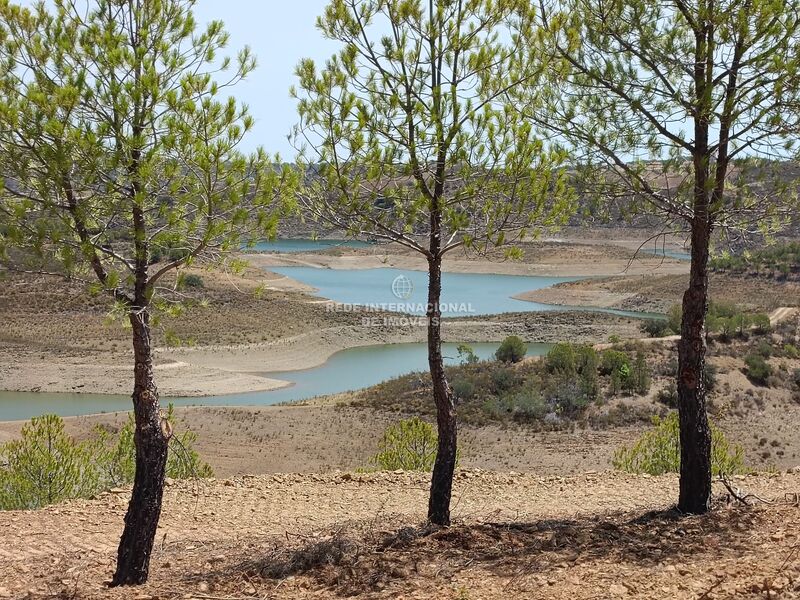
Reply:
x=259 y=322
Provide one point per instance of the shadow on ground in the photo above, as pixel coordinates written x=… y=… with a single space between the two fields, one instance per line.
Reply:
x=365 y=557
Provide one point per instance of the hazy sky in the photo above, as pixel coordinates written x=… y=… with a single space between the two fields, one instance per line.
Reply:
x=280 y=34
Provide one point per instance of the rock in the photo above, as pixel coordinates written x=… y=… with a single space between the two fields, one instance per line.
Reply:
x=203 y=587
x=5 y=592
x=618 y=590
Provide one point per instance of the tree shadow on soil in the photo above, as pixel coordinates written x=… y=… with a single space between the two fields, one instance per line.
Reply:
x=358 y=558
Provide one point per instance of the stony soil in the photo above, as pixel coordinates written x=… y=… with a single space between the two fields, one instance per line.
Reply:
x=596 y=535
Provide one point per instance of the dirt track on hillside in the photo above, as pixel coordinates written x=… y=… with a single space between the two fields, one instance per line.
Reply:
x=323 y=536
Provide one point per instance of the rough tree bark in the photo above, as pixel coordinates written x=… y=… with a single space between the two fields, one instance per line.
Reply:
x=151 y=438
x=695 y=480
x=695 y=434
x=445 y=464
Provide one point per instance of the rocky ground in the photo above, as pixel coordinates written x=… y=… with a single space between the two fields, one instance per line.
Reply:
x=596 y=535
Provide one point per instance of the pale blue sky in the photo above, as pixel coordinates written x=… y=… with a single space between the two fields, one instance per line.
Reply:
x=280 y=34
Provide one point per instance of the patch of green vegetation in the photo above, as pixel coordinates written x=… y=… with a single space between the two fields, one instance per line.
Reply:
x=657 y=451
x=726 y=320
x=549 y=393
x=190 y=280
x=408 y=445
x=511 y=350
x=780 y=261
x=757 y=369
x=47 y=466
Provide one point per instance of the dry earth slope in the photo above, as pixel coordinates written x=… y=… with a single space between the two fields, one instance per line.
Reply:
x=597 y=535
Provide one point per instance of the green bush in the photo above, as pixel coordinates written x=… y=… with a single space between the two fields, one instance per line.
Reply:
x=657 y=328
x=561 y=359
x=503 y=380
x=191 y=281
x=764 y=349
x=612 y=361
x=640 y=376
x=463 y=389
x=674 y=316
x=511 y=350
x=523 y=405
x=757 y=369
x=762 y=323
x=466 y=354
x=587 y=364
x=657 y=451
x=47 y=466
x=568 y=397
x=791 y=351
x=409 y=445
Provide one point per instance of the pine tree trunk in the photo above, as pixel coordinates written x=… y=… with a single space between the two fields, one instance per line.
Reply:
x=444 y=467
x=695 y=434
x=151 y=439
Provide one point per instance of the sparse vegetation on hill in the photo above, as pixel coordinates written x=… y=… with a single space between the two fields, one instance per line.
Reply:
x=724 y=318
x=551 y=393
x=780 y=261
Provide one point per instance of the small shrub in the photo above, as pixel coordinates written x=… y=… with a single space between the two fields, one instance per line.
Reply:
x=668 y=396
x=191 y=281
x=757 y=369
x=791 y=351
x=674 y=316
x=511 y=350
x=503 y=380
x=761 y=323
x=614 y=339
x=409 y=445
x=639 y=379
x=657 y=451
x=526 y=405
x=567 y=397
x=710 y=377
x=657 y=328
x=561 y=359
x=466 y=354
x=177 y=253
x=46 y=466
x=612 y=361
x=764 y=349
x=463 y=389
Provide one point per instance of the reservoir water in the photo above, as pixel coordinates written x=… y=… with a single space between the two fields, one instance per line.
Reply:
x=463 y=294
x=404 y=291
x=346 y=370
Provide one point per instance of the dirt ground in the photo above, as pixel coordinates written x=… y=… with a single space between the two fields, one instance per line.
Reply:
x=318 y=438
x=658 y=292
x=596 y=535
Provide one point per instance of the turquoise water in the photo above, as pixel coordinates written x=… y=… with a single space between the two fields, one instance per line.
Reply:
x=350 y=369
x=463 y=294
x=306 y=245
